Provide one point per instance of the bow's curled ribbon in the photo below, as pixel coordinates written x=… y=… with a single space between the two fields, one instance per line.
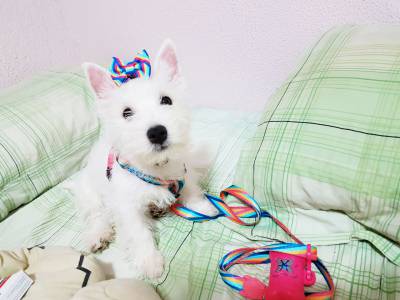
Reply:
x=140 y=67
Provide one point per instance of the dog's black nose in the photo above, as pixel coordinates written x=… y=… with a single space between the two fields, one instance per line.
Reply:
x=157 y=134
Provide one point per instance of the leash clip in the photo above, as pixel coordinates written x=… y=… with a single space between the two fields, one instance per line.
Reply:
x=309 y=275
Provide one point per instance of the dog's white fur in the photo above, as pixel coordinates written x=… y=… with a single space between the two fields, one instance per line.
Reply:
x=123 y=201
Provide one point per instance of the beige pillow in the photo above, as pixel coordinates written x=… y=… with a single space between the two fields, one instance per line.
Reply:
x=118 y=289
x=64 y=273
x=58 y=272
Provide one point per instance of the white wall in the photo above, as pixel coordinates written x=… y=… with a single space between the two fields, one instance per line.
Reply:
x=234 y=53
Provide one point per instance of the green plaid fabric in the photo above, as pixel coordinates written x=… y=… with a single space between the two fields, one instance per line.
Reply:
x=192 y=250
x=47 y=128
x=326 y=155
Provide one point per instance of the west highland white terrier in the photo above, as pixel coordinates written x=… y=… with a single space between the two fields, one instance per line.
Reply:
x=146 y=126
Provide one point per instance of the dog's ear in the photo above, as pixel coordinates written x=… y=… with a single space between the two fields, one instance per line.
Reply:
x=99 y=78
x=166 y=65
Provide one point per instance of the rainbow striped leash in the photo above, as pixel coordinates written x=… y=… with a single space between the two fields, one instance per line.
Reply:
x=256 y=255
x=261 y=255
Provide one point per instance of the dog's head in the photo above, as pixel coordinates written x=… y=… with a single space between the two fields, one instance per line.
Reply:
x=145 y=119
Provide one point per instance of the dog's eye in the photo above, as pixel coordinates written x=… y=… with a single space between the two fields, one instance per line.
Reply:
x=127 y=113
x=165 y=100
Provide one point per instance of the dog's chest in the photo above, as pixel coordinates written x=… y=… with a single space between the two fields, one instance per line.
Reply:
x=130 y=184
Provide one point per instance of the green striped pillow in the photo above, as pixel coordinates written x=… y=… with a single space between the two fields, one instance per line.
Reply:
x=326 y=155
x=46 y=129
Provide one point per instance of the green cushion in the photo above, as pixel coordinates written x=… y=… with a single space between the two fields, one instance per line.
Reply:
x=325 y=158
x=47 y=128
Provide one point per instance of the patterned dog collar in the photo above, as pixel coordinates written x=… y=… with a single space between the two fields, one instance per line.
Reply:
x=174 y=186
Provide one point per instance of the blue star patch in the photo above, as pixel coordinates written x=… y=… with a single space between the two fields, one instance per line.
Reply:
x=284 y=265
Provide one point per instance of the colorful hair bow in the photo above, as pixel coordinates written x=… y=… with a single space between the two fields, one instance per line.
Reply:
x=140 y=67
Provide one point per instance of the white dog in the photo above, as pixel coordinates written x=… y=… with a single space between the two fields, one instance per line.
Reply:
x=146 y=125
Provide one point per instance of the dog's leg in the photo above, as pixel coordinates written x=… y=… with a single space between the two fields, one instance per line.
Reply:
x=96 y=218
x=193 y=198
x=98 y=231
x=135 y=235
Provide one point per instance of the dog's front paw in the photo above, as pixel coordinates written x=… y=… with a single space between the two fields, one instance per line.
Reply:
x=201 y=205
x=163 y=199
x=98 y=239
x=149 y=265
x=153 y=266
x=167 y=200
